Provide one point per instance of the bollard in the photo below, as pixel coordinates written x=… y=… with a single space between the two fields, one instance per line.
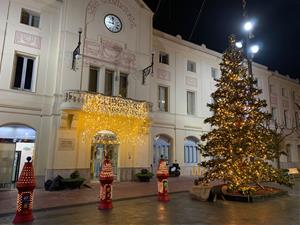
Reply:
x=106 y=178
x=25 y=186
x=162 y=175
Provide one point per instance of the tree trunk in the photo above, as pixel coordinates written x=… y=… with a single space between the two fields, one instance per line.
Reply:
x=278 y=162
x=259 y=185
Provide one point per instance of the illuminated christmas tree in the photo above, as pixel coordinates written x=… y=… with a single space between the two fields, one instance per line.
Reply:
x=237 y=147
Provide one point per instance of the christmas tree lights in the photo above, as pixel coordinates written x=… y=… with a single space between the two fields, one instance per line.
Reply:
x=238 y=146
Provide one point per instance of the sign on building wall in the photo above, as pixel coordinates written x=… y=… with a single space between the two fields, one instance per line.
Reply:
x=66 y=144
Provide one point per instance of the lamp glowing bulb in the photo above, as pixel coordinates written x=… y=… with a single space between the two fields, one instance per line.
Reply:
x=77 y=56
x=239 y=44
x=248 y=26
x=254 y=49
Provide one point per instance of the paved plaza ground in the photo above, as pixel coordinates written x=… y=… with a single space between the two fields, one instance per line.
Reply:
x=180 y=210
x=121 y=190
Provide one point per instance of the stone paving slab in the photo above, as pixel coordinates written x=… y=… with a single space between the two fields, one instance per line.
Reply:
x=121 y=190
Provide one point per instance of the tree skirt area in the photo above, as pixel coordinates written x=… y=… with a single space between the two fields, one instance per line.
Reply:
x=213 y=192
x=259 y=195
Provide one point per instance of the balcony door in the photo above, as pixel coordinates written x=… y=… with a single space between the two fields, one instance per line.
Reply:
x=108 y=86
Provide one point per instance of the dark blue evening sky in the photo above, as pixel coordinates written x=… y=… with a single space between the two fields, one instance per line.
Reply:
x=277 y=27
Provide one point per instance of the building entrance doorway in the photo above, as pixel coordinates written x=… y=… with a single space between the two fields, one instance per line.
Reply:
x=17 y=142
x=161 y=149
x=104 y=143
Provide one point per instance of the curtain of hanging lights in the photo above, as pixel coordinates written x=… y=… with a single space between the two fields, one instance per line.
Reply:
x=127 y=118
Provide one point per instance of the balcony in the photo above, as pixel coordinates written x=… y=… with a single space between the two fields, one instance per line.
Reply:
x=73 y=100
x=78 y=100
x=129 y=119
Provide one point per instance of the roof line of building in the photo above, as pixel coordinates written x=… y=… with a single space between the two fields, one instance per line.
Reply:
x=144 y=5
x=287 y=77
x=178 y=39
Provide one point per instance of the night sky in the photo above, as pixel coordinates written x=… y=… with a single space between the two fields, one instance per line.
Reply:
x=277 y=28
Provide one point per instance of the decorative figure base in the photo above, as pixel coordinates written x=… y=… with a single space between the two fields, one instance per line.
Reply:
x=19 y=218
x=162 y=175
x=106 y=179
x=25 y=186
x=105 y=196
x=105 y=205
x=163 y=197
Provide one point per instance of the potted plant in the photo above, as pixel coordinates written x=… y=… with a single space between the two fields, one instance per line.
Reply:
x=144 y=175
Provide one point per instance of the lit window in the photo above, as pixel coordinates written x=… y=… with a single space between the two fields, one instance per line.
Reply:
x=191 y=103
x=163 y=99
x=191 y=66
x=30 y=18
x=123 y=85
x=108 y=87
x=164 y=58
x=93 y=79
x=24 y=73
x=214 y=73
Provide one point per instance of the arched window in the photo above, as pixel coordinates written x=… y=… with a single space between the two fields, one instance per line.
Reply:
x=190 y=150
x=104 y=142
x=17 y=142
x=161 y=147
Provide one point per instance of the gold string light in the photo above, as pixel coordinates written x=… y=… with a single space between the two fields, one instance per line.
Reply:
x=127 y=118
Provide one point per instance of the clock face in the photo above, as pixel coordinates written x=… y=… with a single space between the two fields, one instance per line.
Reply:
x=113 y=23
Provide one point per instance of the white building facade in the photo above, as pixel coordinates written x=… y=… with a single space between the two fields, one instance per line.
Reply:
x=40 y=91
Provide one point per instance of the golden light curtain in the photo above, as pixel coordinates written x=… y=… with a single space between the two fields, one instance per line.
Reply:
x=127 y=118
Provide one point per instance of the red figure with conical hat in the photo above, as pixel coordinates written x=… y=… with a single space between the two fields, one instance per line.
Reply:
x=106 y=178
x=162 y=175
x=25 y=186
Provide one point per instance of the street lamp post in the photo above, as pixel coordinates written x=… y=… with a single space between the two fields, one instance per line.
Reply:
x=76 y=52
x=248 y=27
x=250 y=50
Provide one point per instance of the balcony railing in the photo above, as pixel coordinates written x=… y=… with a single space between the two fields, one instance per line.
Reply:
x=75 y=99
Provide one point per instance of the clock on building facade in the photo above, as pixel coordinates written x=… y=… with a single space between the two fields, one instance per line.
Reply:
x=113 y=23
